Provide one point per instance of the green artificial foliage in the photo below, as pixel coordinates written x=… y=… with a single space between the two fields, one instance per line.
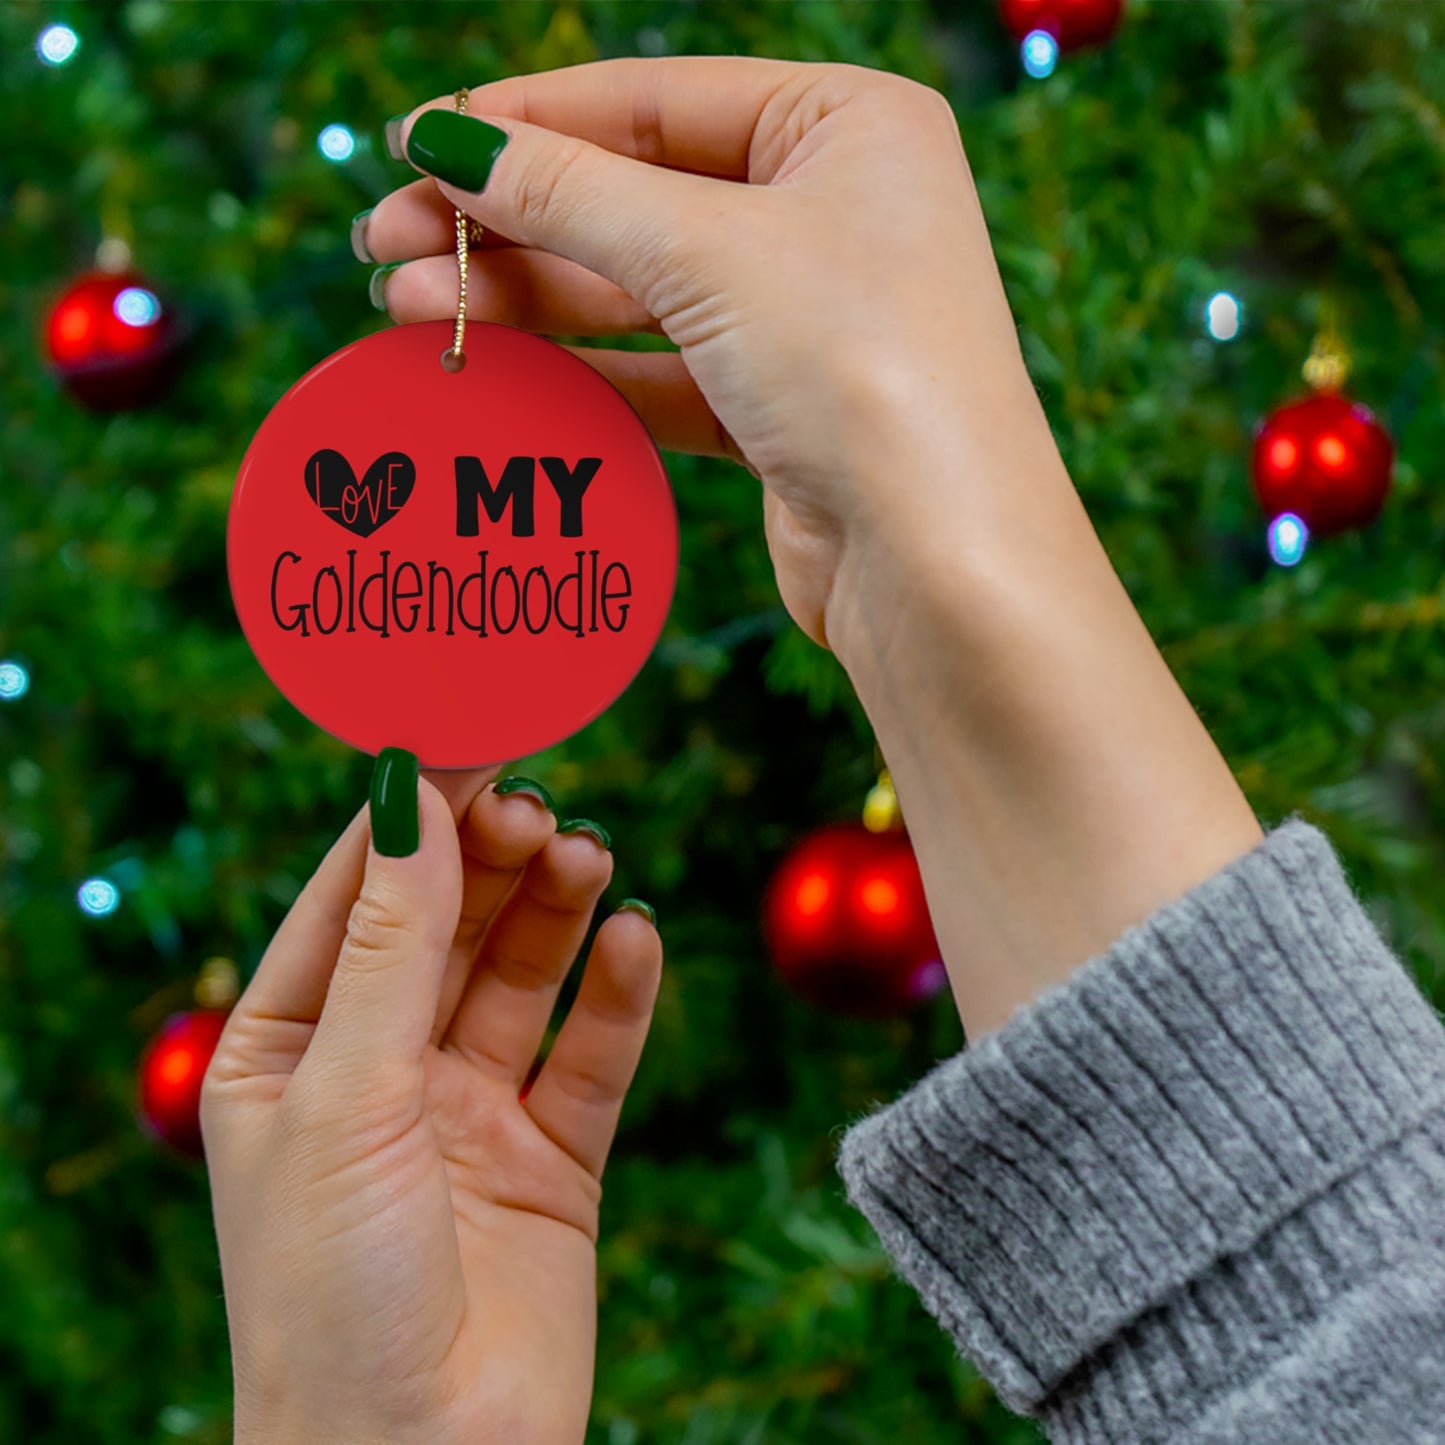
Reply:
x=1292 y=154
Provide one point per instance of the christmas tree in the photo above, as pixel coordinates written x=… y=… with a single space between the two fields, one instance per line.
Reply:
x=1179 y=215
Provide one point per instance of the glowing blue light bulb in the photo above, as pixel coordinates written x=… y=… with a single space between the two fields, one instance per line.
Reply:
x=57 y=44
x=1040 y=52
x=1288 y=538
x=1223 y=316
x=14 y=681
x=336 y=143
x=137 y=307
x=98 y=897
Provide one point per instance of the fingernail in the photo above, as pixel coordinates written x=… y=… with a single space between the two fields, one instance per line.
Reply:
x=395 y=821
x=455 y=148
x=393 y=136
x=359 y=248
x=376 y=287
x=528 y=786
x=636 y=905
x=586 y=825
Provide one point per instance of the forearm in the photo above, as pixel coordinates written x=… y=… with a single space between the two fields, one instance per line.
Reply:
x=1056 y=782
x=1193 y=1190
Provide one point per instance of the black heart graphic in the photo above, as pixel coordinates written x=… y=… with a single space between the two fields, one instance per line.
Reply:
x=363 y=506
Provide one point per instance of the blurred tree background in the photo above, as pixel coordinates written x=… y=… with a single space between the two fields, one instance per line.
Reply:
x=1291 y=154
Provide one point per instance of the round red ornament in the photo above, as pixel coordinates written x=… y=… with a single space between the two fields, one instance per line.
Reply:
x=1324 y=458
x=171 y=1072
x=847 y=924
x=112 y=341
x=1073 y=23
x=468 y=564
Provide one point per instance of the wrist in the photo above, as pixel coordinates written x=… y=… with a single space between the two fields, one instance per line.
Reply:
x=953 y=514
x=1056 y=782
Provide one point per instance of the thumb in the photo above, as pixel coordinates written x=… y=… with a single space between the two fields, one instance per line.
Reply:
x=382 y=999
x=624 y=219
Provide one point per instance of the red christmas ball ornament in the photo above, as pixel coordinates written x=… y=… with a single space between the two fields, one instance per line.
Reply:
x=171 y=1071
x=112 y=341
x=847 y=924
x=1073 y=23
x=1326 y=459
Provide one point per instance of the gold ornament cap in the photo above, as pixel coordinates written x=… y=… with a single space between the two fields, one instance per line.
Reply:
x=219 y=984
x=880 y=809
x=1328 y=366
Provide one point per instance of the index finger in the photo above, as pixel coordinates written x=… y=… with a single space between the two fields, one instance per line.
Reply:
x=695 y=113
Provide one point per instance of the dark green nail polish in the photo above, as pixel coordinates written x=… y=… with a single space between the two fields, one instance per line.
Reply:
x=376 y=287
x=636 y=905
x=392 y=132
x=531 y=787
x=586 y=825
x=455 y=148
x=359 y=247
x=395 y=824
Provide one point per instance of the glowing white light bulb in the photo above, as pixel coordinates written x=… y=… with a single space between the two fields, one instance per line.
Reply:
x=137 y=307
x=14 y=681
x=1040 y=53
x=336 y=143
x=57 y=44
x=1288 y=537
x=98 y=897
x=1223 y=316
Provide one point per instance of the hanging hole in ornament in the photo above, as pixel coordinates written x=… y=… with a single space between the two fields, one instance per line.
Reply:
x=453 y=360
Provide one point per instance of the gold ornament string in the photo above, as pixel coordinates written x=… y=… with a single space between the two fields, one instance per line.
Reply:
x=471 y=231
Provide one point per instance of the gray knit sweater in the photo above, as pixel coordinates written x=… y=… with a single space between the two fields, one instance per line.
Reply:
x=1196 y=1192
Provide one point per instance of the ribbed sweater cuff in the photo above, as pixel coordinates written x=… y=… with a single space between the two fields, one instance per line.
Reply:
x=1146 y=1162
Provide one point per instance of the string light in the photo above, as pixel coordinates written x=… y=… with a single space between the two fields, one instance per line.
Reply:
x=57 y=44
x=136 y=306
x=1223 y=316
x=1040 y=53
x=336 y=143
x=1288 y=537
x=14 y=681
x=928 y=980
x=98 y=897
